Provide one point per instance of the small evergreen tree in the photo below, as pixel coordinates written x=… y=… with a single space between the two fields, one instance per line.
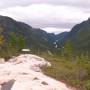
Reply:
x=67 y=50
x=15 y=44
x=1 y=38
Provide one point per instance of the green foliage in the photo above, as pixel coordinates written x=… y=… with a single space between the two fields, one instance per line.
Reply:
x=1 y=37
x=66 y=51
x=13 y=47
x=75 y=73
x=1 y=40
x=16 y=42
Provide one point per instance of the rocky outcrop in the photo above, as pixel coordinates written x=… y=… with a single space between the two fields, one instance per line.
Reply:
x=24 y=73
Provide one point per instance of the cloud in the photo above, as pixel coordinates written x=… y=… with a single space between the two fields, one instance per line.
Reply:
x=45 y=15
x=77 y=3
x=55 y=30
x=57 y=14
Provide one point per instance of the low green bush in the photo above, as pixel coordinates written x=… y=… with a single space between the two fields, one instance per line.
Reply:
x=75 y=73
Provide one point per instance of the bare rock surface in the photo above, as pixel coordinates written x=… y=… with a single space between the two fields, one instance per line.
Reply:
x=24 y=73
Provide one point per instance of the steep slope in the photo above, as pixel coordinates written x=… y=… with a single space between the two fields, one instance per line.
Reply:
x=80 y=36
x=34 y=38
x=60 y=38
x=52 y=37
x=61 y=35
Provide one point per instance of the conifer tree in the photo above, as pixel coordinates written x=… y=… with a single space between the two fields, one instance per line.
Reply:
x=68 y=50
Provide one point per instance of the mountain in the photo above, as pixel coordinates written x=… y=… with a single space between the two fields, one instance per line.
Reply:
x=34 y=37
x=79 y=36
x=60 y=38
x=38 y=39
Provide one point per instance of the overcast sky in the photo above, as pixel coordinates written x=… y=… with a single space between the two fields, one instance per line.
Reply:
x=51 y=15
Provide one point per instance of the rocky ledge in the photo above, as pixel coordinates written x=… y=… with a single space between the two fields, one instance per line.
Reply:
x=23 y=73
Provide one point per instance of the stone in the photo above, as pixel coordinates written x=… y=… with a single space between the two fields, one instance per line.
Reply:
x=44 y=83
x=2 y=60
x=24 y=73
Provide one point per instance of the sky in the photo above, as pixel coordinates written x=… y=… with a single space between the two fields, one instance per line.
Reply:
x=53 y=16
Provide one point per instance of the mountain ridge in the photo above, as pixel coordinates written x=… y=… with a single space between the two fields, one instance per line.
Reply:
x=39 y=39
x=79 y=36
x=34 y=37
